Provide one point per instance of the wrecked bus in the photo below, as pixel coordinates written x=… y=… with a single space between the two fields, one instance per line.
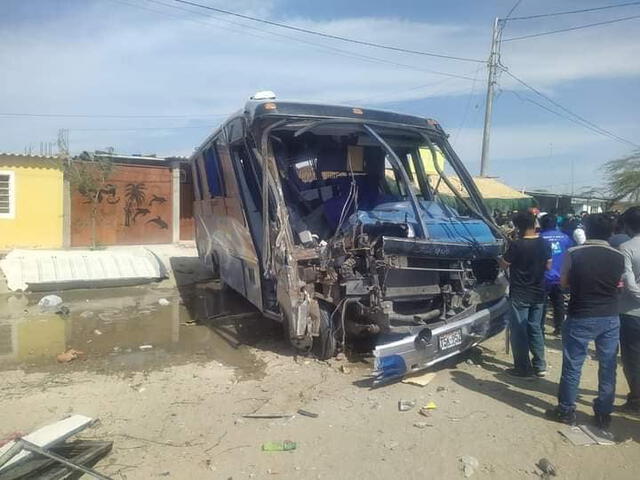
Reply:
x=349 y=224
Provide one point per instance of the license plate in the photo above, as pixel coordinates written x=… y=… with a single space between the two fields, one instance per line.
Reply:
x=450 y=339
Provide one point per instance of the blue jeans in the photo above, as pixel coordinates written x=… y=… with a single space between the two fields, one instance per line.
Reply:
x=576 y=335
x=526 y=336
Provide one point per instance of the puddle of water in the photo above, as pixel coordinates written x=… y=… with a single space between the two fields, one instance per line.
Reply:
x=202 y=322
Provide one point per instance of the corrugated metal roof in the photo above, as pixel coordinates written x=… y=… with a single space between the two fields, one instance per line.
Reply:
x=27 y=155
x=40 y=270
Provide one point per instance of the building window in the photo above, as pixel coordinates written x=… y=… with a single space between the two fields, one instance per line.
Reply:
x=7 y=194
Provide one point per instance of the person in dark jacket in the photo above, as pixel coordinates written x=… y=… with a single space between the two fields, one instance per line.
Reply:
x=527 y=259
x=593 y=273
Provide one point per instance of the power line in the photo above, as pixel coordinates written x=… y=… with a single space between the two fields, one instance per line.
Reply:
x=339 y=51
x=513 y=9
x=569 y=12
x=575 y=117
x=133 y=129
x=91 y=115
x=328 y=35
x=580 y=27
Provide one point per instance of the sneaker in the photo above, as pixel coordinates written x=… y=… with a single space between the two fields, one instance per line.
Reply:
x=541 y=373
x=516 y=372
x=602 y=421
x=557 y=415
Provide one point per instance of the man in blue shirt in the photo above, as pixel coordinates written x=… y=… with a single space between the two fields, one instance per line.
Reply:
x=559 y=243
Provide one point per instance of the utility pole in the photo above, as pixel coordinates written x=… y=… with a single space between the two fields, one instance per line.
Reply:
x=492 y=79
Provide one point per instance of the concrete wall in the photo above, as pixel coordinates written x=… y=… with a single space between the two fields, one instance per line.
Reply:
x=37 y=219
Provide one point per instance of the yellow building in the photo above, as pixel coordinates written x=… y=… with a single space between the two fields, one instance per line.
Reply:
x=31 y=202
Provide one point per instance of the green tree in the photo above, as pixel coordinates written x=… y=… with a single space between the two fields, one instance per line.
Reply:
x=89 y=176
x=623 y=177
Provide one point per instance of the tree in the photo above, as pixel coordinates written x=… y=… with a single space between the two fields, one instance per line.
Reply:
x=89 y=176
x=623 y=177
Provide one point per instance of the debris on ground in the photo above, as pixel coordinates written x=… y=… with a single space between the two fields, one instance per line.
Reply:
x=406 y=405
x=97 y=332
x=586 y=435
x=307 y=413
x=145 y=347
x=50 y=303
x=547 y=467
x=45 y=453
x=344 y=369
x=426 y=409
x=163 y=302
x=268 y=415
x=69 y=355
x=422 y=425
x=284 y=446
x=392 y=444
x=469 y=465
x=420 y=380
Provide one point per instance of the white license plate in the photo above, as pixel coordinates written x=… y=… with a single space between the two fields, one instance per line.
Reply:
x=450 y=339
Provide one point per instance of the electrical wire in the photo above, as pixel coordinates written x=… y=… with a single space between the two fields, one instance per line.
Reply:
x=513 y=9
x=569 y=12
x=328 y=35
x=571 y=29
x=135 y=129
x=108 y=115
x=576 y=118
x=339 y=51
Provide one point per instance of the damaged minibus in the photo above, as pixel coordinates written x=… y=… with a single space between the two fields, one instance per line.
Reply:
x=350 y=225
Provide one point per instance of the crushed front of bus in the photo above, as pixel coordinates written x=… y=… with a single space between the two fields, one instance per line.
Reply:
x=384 y=238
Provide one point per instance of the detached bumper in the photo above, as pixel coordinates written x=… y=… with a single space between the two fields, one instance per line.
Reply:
x=425 y=347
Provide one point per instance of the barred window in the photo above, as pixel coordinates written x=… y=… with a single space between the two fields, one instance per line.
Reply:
x=7 y=194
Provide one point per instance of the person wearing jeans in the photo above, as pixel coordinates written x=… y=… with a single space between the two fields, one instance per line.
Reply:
x=630 y=309
x=559 y=243
x=592 y=272
x=527 y=258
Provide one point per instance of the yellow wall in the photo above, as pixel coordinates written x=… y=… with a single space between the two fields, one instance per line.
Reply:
x=38 y=220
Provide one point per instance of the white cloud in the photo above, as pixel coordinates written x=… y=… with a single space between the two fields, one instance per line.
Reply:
x=111 y=58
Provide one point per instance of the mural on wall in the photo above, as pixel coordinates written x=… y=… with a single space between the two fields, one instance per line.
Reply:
x=108 y=193
x=134 y=208
x=135 y=196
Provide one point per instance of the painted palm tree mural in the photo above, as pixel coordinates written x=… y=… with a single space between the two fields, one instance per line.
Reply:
x=135 y=196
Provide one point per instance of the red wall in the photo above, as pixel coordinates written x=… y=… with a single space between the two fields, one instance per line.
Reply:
x=136 y=208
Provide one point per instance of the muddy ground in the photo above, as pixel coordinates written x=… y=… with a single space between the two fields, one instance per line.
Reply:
x=174 y=408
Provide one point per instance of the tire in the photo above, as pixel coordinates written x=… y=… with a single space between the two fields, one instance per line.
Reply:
x=325 y=345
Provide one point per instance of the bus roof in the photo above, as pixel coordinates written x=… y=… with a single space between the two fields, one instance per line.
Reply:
x=257 y=109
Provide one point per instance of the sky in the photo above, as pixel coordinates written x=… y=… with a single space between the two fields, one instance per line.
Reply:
x=156 y=76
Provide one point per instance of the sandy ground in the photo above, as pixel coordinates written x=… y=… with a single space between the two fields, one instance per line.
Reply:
x=185 y=421
x=175 y=410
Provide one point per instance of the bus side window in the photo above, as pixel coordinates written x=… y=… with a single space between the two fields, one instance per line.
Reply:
x=250 y=171
x=214 y=172
x=199 y=191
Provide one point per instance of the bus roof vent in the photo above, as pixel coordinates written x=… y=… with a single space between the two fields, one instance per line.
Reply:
x=264 y=95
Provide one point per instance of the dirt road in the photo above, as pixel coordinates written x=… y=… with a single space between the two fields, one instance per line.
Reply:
x=175 y=410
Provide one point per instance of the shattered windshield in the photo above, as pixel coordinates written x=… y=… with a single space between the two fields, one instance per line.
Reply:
x=334 y=171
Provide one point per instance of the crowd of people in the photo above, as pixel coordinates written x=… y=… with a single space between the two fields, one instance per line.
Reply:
x=593 y=261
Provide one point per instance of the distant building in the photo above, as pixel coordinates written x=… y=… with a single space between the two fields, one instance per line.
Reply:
x=31 y=201
x=563 y=204
x=147 y=200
